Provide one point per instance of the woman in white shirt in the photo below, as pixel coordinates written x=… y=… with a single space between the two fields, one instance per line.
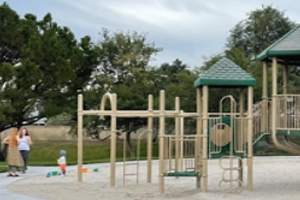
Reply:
x=24 y=146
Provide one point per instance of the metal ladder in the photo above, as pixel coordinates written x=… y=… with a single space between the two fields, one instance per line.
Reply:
x=233 y=183
x=125 y=174
x=132 y=163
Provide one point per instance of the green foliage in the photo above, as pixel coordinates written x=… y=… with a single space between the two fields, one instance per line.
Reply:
x=177 y=81
x=123 y=69
x=42 y=66
x=123 y=55
x=62 y=119
x=261 y=28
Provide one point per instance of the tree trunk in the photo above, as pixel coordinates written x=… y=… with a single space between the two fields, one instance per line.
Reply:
x=128 y=140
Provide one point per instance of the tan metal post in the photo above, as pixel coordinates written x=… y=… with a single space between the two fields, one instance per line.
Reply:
x=177 y=131
x=149 y=141
x=242 y=117
x=285 y=86
x=113 y=140
x=241 y=138
x=264 y=119
x=274 y=93
x=250 y=136
x=79 y=136
x=161 y=140
x=285 y=79
x=181 y=141
x=205 y=131
x=198 y=132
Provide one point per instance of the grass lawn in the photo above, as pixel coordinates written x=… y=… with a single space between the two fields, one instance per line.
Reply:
x=3 y=167
x=46 y=153
x=95 y=151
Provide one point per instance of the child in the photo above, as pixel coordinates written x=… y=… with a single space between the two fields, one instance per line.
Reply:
x=61 y=161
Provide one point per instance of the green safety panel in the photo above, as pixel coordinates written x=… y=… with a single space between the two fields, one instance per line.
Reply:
x=184 y=174
x=288 y=133
x=225 y=150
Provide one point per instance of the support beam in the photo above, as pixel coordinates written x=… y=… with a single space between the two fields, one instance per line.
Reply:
x=205 y=131
x=178 y=158
x=250 y=137
x=285 y=91
x=199 y=140
x=285 y=79
x=79 y=137
x=181 y=146
x=265 y=116
x=140 y=113
x=149 y=140
x=113 y=140
x=241 y=134
x=265 y=81
x=161 y=141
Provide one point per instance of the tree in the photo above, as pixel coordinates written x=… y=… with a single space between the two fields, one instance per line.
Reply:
x=124 y=55
x=9 y=37
x=42 y=66
x=251 y=36
x=123 y=69
x=248 y=38
x=177 y=80
x=261 y=28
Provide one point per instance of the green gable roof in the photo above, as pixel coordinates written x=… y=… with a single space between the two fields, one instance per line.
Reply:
x=225 y=73
x=287 y=46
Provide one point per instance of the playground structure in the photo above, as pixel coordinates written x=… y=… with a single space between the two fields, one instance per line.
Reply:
x=285 y=108
x=228 y=135
x=182 y=155
x=150 y=114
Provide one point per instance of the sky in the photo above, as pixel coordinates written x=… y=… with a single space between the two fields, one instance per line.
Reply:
x=189 y=30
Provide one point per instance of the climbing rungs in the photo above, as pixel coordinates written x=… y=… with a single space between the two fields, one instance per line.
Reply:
x=231 y=180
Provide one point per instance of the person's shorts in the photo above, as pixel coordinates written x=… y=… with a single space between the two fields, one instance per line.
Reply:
x=62 y=166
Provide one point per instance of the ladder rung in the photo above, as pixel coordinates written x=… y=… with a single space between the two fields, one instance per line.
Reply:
x=130 y=174
x=190 y=168
x=128 y=164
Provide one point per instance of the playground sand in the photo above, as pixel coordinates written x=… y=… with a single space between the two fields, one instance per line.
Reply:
x=273 y=178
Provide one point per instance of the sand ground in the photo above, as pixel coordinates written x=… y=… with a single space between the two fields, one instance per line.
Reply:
x=273 y=178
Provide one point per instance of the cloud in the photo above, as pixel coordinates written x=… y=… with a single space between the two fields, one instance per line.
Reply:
x=177 y=27
x=185 y=29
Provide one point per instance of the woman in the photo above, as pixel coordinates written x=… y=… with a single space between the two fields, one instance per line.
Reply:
x=24 y=146
x=14 y=159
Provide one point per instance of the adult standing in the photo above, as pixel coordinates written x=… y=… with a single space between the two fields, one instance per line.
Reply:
x=24 y=146
x=14 y=158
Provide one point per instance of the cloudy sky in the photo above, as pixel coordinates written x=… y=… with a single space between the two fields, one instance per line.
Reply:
x=185 y=29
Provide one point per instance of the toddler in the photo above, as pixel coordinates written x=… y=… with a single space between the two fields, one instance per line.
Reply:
x=61 y=161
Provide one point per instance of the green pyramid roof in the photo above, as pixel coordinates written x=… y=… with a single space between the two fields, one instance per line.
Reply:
x=225 y=73
x=286 y=48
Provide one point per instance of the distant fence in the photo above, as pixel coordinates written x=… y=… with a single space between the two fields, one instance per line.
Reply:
x=46 y=133
x=56 y=133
